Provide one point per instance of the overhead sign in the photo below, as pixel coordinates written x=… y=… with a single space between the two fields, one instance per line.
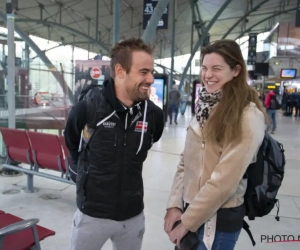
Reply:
x=11 y=6
x=252 y=49
x=297 y=24
x=95 y=73
x=149 y=7
x=89 y=72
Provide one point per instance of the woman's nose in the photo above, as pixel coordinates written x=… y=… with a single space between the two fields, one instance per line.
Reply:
x=208 y=74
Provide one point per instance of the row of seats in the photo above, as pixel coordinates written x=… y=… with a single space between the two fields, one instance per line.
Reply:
x=39 y=150
x=19 y=234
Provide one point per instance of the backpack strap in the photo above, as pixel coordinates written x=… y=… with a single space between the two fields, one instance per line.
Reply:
x=85 y=145
x=83 y=152
x=250 y=207
x=85 y=161
x=246 y=227
x=278 y=206
x=91 y=108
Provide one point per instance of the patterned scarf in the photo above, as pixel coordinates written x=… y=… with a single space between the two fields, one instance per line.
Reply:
x=205 y=104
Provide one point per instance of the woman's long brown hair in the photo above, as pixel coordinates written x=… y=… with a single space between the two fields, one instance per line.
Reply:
x=224 y=124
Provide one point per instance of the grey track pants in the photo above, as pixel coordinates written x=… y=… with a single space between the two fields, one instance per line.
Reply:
x=89 y=233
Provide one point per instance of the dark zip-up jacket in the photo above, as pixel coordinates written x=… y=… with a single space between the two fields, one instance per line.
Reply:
x=109 y=176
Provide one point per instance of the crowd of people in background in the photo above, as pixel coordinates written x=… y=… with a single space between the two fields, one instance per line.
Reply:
x=290 y=105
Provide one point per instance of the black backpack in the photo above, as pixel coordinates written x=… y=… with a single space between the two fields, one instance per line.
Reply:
x=264 y=180
x=93 y=95
x=274 y=104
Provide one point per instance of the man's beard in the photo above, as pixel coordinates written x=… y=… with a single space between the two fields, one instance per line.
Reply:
x=137 y=94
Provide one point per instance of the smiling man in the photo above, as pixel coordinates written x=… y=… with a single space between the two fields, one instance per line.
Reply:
x=114 y=131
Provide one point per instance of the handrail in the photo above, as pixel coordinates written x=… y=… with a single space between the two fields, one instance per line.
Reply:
x=44 y=98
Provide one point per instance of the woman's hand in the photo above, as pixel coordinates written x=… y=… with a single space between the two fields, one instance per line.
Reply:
x=177 y=234
x=173 y=214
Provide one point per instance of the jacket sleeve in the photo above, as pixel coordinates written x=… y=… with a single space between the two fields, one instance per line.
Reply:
x=75 y=124
x=267 y=101
x=233 y=163
x=159 y=124
x=176 y=196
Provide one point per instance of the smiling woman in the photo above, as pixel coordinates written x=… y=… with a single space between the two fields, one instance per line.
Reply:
x=221 y=142
x=223 y=67
x=216 y=72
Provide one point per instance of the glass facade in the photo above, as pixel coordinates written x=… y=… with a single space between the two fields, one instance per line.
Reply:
x=284 y=40
x=41 y=103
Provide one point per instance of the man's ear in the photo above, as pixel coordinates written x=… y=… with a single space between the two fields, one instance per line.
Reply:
x=237 y=70
x=120 y=72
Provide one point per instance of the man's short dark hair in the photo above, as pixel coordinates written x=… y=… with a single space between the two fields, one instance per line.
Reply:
x=121 y=53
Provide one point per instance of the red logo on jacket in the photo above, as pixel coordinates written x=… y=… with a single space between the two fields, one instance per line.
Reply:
x=140 y=125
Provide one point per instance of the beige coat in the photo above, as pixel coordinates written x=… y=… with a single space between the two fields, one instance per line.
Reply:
x=210 y=175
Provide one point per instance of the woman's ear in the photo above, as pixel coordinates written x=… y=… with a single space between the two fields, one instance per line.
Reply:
x=237 y=70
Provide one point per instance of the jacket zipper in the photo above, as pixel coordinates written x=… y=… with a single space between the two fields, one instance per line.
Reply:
x=125 y=134
x=202 y=153
x=203 y=140
x=122 y=169
x=116 y=139
x=84 y=180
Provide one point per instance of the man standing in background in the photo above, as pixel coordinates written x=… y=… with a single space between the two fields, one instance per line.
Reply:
x=174 y=102
x=271 y=104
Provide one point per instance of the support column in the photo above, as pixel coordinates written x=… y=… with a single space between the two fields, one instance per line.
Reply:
x=3 y=52
x=173 y=43
x=89 y=30
x=109 y=36
x=11 y=96
x=160 y=50
x=192 y=33
x=202 y=39
x=116 y=37
x=60 y=10
x=73 y=66
x=41 y=10
x=263 y=85
x=153 y=22
x=97 y=19
x=27 y=59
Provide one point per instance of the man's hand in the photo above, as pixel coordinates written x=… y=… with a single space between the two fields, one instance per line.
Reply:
x=177 y=234
x=173 y=214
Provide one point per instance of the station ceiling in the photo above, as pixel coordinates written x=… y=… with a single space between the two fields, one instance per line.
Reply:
x=74 y=21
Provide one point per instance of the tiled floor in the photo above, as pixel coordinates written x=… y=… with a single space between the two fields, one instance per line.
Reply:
x=159 y=170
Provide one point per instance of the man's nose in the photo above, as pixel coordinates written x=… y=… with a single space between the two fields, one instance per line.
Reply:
x=150 y=78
